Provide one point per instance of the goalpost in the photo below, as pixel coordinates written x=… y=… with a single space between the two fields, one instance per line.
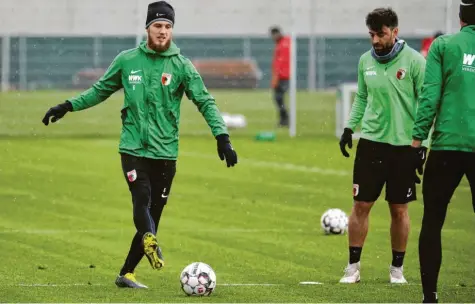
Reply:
x=345 y=95
x=293 y=74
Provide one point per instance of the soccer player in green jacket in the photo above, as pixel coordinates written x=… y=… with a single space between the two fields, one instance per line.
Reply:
x=448 y=96
x=390 y=78
x=154 y=77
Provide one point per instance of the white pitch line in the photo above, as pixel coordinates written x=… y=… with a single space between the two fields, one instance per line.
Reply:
x=311 y=283
x=223 y=284
x=57 y=231
x=249 y=284
x=116 y=231
x=58 y=285
x=84 y=284
x=275 y=165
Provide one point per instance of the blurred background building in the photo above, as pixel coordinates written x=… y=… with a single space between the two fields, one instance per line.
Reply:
x=54 y=44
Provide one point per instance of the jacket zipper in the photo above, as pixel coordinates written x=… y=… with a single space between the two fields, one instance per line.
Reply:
x=147 y=104
x=146 y=116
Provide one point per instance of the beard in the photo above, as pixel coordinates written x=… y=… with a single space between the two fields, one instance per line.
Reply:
x=158 y=47
x=384 y=50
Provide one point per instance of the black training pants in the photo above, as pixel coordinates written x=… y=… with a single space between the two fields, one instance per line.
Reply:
x=149 y=182
x=443 y=173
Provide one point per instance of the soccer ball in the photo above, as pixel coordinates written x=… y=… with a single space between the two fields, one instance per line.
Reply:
x=334 y=221
x=198 y=279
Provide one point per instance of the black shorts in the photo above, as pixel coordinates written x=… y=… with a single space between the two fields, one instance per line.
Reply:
x=442 y=175
x=378 y=164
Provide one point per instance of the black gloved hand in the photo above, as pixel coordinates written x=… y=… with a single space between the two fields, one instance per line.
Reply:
x=226 y=151
x=57 y=112
x=346 y=139
x=419 y=156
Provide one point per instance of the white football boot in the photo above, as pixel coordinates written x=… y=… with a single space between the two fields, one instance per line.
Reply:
x=352 y=274
x=396 y=276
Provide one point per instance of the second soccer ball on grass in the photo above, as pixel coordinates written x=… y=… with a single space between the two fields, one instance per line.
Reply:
x=334 y=221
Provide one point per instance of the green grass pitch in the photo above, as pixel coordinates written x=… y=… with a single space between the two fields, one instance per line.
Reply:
x=65 y=206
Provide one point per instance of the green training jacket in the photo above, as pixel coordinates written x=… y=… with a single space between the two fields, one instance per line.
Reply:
x=154 y=84
x=448 y=93
x=386 y=100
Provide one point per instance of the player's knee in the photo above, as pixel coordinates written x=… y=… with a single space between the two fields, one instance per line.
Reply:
x=399 y=212
x=141 y=197
x=362 y=209
x=433 y=218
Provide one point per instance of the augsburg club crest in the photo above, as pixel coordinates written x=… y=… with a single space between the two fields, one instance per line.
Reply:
x=401 y=73
x=166 y=78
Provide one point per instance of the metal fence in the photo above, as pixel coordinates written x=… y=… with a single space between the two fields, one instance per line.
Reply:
x=31 y=63
x=59 y=37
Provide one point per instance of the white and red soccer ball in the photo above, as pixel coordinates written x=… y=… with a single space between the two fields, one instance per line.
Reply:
x=334 y=221
x=198 y=279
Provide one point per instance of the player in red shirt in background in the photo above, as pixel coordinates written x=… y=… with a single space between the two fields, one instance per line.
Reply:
x=426 y=43
x=280 y=72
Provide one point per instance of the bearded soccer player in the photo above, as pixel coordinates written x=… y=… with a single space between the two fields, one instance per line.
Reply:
x=154 y=77
x=448 y=96
x=390 y=78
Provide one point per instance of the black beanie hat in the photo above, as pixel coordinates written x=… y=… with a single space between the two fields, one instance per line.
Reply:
x=467 y=11
x=160 y=11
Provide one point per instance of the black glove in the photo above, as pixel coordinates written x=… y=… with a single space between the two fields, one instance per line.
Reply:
x=226 y=151
x=346 y=139
x=57 y=112
x=419 y=156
